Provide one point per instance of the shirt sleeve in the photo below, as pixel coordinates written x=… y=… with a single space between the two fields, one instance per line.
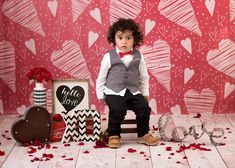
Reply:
x=101 y=79
x=144 y=77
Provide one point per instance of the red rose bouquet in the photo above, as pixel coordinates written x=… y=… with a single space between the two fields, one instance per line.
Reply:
x=39 y=74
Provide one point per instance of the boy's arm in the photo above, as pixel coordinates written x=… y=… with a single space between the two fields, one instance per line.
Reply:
x=144 y=78
x=101 y=79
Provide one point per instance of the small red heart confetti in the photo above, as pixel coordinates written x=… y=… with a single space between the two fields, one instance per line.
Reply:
x=131 y=150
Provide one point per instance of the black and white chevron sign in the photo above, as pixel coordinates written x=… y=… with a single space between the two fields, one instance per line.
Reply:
x=83 y=114
x=70 y=120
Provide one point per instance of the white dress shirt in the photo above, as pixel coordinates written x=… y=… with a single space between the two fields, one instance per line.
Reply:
x=101 y=89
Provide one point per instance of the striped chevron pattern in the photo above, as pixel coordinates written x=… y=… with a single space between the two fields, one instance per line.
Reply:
x=83 y=114
x=70 y=130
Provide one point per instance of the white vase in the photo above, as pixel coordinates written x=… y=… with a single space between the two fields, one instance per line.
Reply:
x=39 y=94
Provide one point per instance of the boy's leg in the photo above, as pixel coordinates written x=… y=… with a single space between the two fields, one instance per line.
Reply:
x=140 y=106
x=117 y=112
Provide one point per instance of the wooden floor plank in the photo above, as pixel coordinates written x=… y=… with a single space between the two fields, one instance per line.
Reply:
x=133 y=155
x=198 y=158
x=63 y=155
x=85 y=155
x=7 y=142
x=19 y=158
x=90 y=157
x=227 y=151
x=163 y=156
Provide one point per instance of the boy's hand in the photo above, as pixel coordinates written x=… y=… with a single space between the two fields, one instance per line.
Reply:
x=102 y=101
x=147 y=98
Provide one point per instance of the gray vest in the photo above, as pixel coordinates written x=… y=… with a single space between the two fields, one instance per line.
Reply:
x=120 y=76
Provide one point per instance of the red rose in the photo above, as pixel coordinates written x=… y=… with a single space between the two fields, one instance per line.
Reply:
x=57 y=117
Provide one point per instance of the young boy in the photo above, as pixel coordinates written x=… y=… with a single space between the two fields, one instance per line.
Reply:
x=123 y=82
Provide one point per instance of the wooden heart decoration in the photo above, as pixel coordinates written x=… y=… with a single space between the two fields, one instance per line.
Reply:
x=34 y=125
x=70 y=98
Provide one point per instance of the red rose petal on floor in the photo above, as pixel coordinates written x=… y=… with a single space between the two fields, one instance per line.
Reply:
x=159 y=154
x=222 y=144
x=81 y=144
x=47 y=155
x=48 y=146
x=162 y=143
x=37 y=143
x=66 y=144
x=122 y=157
x=36 y=159
x=178 y=162
x=185 y=157
x=227 y=128
x=86 y=152
x=230 y=132
x=172 y=154
x=168 y=148
x=6 y=131
x=155 y=128
x=8 y=138
x=169 y=157
x=141 y=152
x=63 y=156
x=54 y=147
x=104 y=119
x=32 y=150
x=69 y=159
x=2 y=153
x=147 y=159
x=130 y=150
x=197 y=116
x=26 y=144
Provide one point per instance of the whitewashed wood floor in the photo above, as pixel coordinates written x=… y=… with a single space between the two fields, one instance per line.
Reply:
x=86 y=156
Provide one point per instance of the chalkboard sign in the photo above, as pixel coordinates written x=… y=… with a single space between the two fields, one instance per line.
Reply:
x=70 y=95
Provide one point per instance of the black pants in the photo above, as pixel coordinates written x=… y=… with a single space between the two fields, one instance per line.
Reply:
x=118 y=106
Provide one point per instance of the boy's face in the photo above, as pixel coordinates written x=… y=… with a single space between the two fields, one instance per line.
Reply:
x=124 y=40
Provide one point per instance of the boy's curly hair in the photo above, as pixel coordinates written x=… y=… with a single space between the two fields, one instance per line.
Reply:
x=123 y=25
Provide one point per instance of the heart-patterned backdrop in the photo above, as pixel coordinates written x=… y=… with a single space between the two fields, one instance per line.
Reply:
x=189 y=47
